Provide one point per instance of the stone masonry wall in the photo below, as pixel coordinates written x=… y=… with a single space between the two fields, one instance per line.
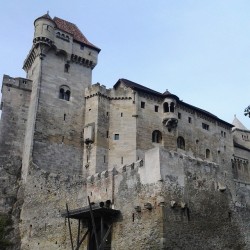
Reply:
x=15 y=103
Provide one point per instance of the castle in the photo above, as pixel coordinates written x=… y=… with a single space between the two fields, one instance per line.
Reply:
x=137 y=169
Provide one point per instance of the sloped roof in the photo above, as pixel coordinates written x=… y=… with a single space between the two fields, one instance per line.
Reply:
x=136 y=86
x=237 y=123
x=237 y=145
x=144 y=89
x=72 y=29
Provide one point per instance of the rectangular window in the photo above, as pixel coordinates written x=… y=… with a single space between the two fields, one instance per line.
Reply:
x=121 y=160
x=156 y=108
x=104 y=158
x=143 y=105
x=107 y=114
x=116 y=137
x=121 y=114
x=107 y=134
x=179 y=115
x=189 y=119
x=205 y=126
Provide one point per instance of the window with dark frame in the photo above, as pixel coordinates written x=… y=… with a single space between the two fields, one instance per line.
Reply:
x=116 y=137
x=156 y=136
x=181 y=143
x=205 y=126
x=156 y=108
x=64 y=93
x=143 y=105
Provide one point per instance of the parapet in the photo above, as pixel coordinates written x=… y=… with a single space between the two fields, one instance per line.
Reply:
x=17 y=82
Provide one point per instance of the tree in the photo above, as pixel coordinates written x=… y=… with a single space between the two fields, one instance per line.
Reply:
x=247 y=111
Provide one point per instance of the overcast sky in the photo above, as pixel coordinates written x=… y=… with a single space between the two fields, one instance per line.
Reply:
x=197 y=49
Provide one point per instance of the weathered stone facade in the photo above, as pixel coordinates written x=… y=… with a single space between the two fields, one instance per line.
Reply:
x=178 y=174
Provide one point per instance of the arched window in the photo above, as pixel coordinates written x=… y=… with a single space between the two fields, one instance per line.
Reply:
x=207 y=153
x=166 y=107
x=172 y=107
x=181 y=143
x=156 y=136
x=64 y=93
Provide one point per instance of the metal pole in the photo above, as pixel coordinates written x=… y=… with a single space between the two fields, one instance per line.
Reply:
x=78 y=231
x=93 y=223
x=101 y=246
x=70 y=233
x=81 y=241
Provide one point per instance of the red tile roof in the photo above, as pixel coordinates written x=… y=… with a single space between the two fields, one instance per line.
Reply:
x=74 y=31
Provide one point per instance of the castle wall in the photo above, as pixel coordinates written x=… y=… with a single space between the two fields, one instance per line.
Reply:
x=15 y=102
x=59 y=122
x=46 y=195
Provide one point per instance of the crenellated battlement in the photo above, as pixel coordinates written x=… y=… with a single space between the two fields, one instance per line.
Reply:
x=17 y=82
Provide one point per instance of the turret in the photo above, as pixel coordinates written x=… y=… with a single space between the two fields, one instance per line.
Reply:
x=44 y=30
x=169 y=110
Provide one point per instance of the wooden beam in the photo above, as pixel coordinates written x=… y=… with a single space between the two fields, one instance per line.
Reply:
x=70 y=233
x=93 y=223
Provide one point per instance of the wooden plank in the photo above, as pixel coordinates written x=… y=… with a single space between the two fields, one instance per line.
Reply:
x=93 y=223
x=70 y=233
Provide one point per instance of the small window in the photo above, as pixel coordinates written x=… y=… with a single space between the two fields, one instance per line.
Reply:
x=66 y=68
x=181 y=143
x=107 y=134
x=179 y=115
x=121 y=160
x=104 y=159
x=156 y=136
x=143 y=105
x=156 y=108
x=205 y=126
x=116 y=137
x=207 y=153
x=67 y=95
x=166 y=107
x=172 y=107
x=189 y=120
x=121 y=114
x=64 y=93
x=107 y=114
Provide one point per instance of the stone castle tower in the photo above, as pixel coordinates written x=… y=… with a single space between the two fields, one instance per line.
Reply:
x=159 y=172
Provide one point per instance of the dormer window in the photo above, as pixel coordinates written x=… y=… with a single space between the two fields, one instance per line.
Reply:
x=166 y=107
x=172 y=107
x=64 y=93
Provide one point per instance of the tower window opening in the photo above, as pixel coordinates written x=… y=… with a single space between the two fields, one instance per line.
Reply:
x=179 y=115
x=207 y=153
x=205 y=126
x=64 y=93
x=156 y=136
x=143 y=105
x=172 y=107
x=181 y=143
x=156 y=108
x=116 y=137
x=64 y=117
x=166 y=107
x=66 y=68
x=189 y=119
